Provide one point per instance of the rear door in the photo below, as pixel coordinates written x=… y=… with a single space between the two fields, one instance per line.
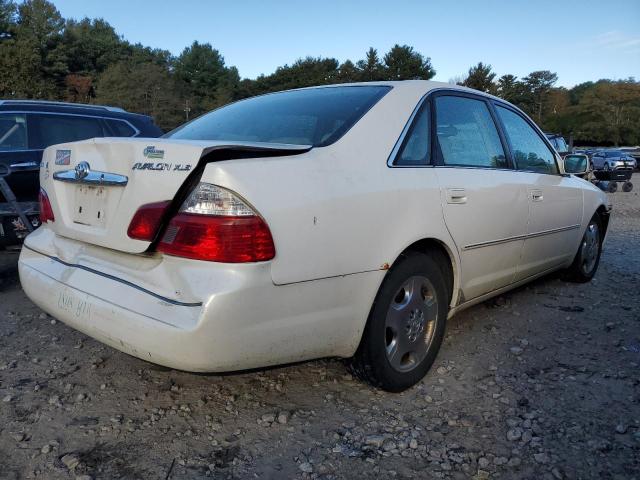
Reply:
x=484 y=200
x=555 y=200
x=53 y=128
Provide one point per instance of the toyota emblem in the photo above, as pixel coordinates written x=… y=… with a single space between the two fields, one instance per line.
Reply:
x=82 y=170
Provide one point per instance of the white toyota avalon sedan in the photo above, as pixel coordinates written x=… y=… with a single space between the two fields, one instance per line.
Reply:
x=346 y=220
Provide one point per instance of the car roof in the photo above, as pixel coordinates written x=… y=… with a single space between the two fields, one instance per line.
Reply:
x=68 y=107
x=60 y=104
x=413 y=88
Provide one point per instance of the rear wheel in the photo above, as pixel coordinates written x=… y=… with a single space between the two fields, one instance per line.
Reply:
x=627 y=187
x=406 y=325
x=613 y=187
x=586 y=261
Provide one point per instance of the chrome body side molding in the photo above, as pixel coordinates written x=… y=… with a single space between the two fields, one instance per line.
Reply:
x=520 y=237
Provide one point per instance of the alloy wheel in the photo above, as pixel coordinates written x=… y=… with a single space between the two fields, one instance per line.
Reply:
x=410 y=323
x=590 y=248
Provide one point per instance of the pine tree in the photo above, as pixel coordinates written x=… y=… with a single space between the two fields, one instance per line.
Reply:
x=480 y=77
x=403 y=63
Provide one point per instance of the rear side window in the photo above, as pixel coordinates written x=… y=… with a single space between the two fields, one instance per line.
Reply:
x=315 y=116
x=467 y=134
x=529 y=150
x=13 y=132
x=415 y=147
x=45 y=129
x=118 y=128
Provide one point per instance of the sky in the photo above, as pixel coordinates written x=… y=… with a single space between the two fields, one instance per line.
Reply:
x=579 y=40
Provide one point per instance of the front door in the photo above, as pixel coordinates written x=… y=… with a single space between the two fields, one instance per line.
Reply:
x=555 y=201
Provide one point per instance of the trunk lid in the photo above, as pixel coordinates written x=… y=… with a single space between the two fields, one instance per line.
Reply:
x=96 y=186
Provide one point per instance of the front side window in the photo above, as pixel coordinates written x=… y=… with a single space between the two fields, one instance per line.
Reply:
x=51 y=129
x=314 y=116
x=415 y=147
x=467 y=134
x=13 y=132
x=529 y=150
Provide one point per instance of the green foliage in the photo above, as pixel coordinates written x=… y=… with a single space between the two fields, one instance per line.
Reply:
x=403 y=63
x=44 y=56
x=145 y=88
x=8 y=11
x=539 y=84
x=480 y=77
x=608 y=112
x=32 y=59
x=91 y=46
x=209 y=83
x=302 y=73
x=512 y=90
x=370 y=69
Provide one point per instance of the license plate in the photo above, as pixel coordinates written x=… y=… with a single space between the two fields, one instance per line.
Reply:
x=90 y=205
x=78 y=307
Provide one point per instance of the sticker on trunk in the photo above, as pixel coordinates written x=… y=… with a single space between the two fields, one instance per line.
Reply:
x=153 y=152
x=63 y=157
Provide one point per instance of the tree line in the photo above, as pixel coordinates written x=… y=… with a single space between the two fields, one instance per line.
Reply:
x=44 y=56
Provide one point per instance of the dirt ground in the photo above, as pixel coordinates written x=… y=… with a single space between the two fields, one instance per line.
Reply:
x=543 y=382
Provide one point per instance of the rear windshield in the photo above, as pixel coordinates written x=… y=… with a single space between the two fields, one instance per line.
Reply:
x=316 y=116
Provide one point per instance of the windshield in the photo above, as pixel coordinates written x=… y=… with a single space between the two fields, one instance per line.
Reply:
x=613 y=154
x=315 y=116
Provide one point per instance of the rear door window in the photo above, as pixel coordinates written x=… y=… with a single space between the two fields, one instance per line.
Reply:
x=415 y=149
x=118 y=128
x=51 y=129
x=529 y=151
x=13 y=132
x=467 y=134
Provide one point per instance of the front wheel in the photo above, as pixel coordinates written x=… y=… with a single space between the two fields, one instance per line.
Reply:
x=406 y=325
x=586 y=261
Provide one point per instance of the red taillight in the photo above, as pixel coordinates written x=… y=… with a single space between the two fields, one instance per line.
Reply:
x=46 y=212
x=145 y=222
x=229 y=239
x=215 y=224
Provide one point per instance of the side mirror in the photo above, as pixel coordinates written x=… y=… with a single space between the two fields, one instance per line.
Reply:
x=576 y=164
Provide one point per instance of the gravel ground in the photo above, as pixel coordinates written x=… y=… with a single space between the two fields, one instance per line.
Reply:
x=540 y=383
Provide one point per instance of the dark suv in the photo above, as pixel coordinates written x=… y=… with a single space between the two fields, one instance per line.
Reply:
x=27 y=127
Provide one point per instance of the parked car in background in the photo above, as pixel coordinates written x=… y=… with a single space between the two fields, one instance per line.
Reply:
x=27 y=127
x=559 y=143
x=252 y=235
x=632 y=152
x=612 y=160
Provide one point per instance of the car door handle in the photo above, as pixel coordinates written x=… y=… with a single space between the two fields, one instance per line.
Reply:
x=536 y=195
x=456 y=195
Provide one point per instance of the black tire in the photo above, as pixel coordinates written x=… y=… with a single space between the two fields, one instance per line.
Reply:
x=606 y=167
x=578 y=271
x=612 y=187
x=627 y=187
x=371 y=362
